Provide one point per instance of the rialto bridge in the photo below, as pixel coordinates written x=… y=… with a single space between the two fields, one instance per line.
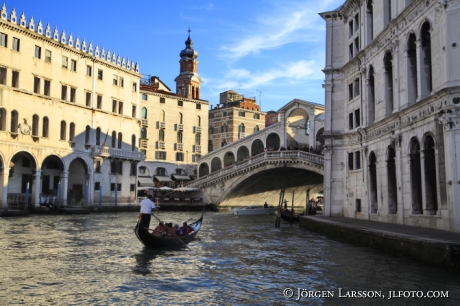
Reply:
x=254 y=169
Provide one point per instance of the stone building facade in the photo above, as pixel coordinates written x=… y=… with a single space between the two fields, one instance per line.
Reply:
x=68 y=116
x=392 y=95
x=235 y=117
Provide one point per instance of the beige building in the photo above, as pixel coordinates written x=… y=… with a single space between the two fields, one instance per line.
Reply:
x=233 y=118
x=173 y=125
x=69 y=116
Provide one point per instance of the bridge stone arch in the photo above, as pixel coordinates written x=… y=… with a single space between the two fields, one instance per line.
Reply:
x=257 y=146
x=242 y=153
x=216 y=164
x=229 y=158
x=203 y=169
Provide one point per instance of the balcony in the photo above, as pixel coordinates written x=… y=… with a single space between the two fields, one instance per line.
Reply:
x=106 y=151
x=241 y=135
x=143 y=142
x=197 y=149
x=197 y=129
x=179 y=127
x=144 y=123
x=179 y=146
x=161 y=125
x=160 y=145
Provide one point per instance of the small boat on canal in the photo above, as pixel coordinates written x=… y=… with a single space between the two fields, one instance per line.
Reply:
x=254 y=210
x=287 y=216
x=152 y=241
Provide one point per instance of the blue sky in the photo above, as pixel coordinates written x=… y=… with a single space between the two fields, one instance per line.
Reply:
x=268 y=49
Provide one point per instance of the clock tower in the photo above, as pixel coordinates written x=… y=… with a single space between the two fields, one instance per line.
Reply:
x=188 y=82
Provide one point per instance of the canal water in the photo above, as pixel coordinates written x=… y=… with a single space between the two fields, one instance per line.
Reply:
x=97 y=260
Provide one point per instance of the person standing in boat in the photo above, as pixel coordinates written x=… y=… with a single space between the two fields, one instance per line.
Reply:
x=146 y=210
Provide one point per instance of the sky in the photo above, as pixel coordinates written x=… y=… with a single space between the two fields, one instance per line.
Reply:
x=269 y=50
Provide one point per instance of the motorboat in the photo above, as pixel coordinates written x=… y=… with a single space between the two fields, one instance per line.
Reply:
x=253 y=210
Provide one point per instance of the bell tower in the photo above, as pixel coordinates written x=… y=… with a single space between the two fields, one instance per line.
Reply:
x=188 y=82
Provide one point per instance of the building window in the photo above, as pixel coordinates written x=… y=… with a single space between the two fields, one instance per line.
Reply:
x=350 y=121
x=38 y=52
x=122 y=82
x=357 y=118
x=116 y=167
x=98 y=136
x=65 y=62
x=3 y=75
x=179 y=137
x=88 y=98
x=47 y=88
x=120 y=108
x=36 y=85
x=120 y=140
x=256 y=128
x=358 y=205
x=144 y=113
x=142 y=170
x=351 y=157
x=89 y=70
x=98 y=166
x=48 y=56
x=16 y=43
x=179 y=156
x=357 y=160
x=198 y=139
x=15 y=79
x=198 y=106
x=256 y=116
x=72 y=131
x=114 y=139
x=3 y=40
x=224 y=114
x=133 y=111
x=45 y=127
x=162 y=100
x=160 y=155
x=63 y=130
x=161 y=135
x=73 y=65
x=132 y=187
x=97 y=186
x=114 y=106
x=115 y=79
x=135 y=87
x=99 y=74
x=133 y=142
x=144 y=97
x=370 y=21
x=99 y=102
x=73 y=92
x=14 y=121
x=35 y=125
x=180 y=103
x=241 y=114
x=63 y=92
x=112 y=187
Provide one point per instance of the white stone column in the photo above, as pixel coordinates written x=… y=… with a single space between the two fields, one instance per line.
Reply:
x=365 y=208
x=396 y=72
x=418 y=47
x=327 y=188
x=400 y=179
x=423 y=174
x=64 y=187
x=37 y=185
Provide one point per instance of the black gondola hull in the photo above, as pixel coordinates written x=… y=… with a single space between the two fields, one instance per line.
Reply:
x=151 y=241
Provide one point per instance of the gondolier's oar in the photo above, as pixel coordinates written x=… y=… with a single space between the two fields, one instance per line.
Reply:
x=174 y=234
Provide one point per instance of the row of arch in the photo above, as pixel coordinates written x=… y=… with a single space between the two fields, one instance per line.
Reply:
x=419 y=68
x=224 y=129
x=257 y=146
x=162 y=116
x=421 y=160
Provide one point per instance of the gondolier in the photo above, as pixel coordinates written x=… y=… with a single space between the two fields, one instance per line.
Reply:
x=146 y=210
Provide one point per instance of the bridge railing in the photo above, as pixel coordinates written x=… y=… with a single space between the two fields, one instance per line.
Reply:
x=269 y=155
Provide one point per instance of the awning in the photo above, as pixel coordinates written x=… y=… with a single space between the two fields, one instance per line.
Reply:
x=163 y=179
x=178 y=177
x=145 y=182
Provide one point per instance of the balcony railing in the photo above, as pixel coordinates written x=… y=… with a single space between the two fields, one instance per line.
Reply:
x=160 y=145
x=180 y=127
x=179 y=146
x=144 y=122
x=143 y=143
x=161 y=125
x=241 y=135
x=198 y=149
x=106 y=151
x=197 y=129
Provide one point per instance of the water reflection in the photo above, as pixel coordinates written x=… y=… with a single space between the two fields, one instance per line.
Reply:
x=96 y=259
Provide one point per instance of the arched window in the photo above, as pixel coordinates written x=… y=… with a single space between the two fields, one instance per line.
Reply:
x=162 y=116
x=114 y=139
x=143 y=133
x=198 y=139
x=87 y=134
x=391 y=180
x=371 y=96
x=2 y=119
x=63 y=130
x=161 y=135
x=198 y=122
x=256 y=128
x=144 y=113
x=387 y=12
x=241 y=128
x=120 y=140
x=211 y=130
x=370 y=21
x=388 y=62
x=373 y=182
x=224 y=143
x=411 y=69
x=416 y=177
x=426 y=83
x=133 y=142
x=181 y=118
x=14 y=121
x=72 y=131
x=35 y=120
x=179 y=137
x=210 y=146
x=98 y=136
x=45 y=127
x=431 y=194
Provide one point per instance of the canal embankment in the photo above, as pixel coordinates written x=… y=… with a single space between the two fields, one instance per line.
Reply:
x=433 y=247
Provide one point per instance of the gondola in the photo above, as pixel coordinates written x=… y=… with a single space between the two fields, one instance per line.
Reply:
x=152 y=241
x=286 y=216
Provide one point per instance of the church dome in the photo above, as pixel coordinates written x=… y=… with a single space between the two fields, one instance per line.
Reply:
x=188 y=52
